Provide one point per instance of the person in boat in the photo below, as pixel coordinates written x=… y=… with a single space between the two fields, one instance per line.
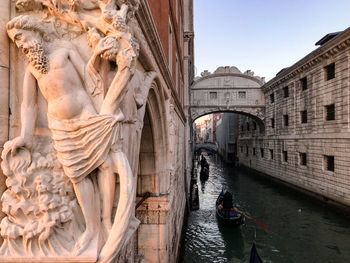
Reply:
x=227 y=203
x=203 y=161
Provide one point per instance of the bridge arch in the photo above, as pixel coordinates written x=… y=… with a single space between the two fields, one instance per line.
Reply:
x=228 y=90
x=212 y=147
x=259 y=121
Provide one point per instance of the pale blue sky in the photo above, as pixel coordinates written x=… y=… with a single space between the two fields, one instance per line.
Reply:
x=262 y=35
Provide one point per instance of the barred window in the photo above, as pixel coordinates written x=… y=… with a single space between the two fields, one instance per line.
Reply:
x=303 y=116
x=330 y=71
x=329 y=162
x=330 y=112
x=285 y=120
x=304 y=84
x=242 y=94
x=285 y=156
x=302 y=158
x=213 y=95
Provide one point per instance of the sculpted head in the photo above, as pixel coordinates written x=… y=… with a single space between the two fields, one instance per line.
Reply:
x=27 y=33
x=23 y=29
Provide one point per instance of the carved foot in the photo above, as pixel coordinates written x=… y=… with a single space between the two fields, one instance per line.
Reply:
x=83 y=242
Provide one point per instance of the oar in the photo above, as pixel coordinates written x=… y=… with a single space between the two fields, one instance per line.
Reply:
x=262 y=225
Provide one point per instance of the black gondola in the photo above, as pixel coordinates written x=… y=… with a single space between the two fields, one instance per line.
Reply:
x=254 y=256
x=231 y=216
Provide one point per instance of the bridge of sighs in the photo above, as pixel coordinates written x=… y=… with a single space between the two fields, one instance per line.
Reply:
x=228 y=90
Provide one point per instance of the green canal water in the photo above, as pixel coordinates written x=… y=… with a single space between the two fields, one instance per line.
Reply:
x=287 y=227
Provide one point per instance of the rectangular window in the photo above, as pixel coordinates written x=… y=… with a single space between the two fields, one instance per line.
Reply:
x=302 y=158
x=242 y=128
x=285 y=92
x=247 y=151
x=272 y=123
x=330 y=71
x=330 y=112
x=213 y=95
x=271 y=154
x=329 y=163
x=248 y=128
x=254 y=153
x=254 y=126
x=303 y=116
x=241 y=149
x=303 y=83
x=272 y=97
x=262 y=152
x=285 y=120
x=242 y=94
x=285 y=156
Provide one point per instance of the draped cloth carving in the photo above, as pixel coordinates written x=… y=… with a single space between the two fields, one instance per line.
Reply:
x=83 y=145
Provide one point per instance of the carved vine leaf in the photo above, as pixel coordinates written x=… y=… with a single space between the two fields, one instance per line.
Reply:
x=38 y=196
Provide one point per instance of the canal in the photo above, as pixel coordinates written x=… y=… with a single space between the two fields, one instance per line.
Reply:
x=286 y=226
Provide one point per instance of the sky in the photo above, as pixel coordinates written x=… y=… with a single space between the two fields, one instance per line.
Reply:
x=262 y=35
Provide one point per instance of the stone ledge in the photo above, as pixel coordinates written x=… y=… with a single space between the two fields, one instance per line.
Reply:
x=68 y=259
x=153 y=210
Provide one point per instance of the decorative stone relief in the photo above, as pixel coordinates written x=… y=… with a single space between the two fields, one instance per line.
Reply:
x=81 y=57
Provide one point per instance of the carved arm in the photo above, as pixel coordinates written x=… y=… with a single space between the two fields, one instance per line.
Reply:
x=29 y=107
x=28 y=113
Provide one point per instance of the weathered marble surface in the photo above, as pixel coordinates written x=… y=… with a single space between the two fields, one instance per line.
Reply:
x=80 y=63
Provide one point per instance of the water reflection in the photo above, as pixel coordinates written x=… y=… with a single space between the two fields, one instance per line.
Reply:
x=233 y=242
x=286 y=226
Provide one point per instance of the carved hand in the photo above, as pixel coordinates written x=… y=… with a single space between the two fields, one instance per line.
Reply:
x=17 y=143
x=103 y=45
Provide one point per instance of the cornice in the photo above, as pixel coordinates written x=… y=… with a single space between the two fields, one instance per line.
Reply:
x=326 y=51
x=148 y=27
x=214 y=75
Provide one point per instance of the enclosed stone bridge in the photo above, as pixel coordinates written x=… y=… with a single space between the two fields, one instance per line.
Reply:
x=228 y=90
x=206 y=146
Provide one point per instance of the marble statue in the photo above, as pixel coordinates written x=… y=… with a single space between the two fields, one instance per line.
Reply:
x=86 y=118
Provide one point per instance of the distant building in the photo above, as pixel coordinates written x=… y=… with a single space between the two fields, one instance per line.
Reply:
x=204 y=129
x=226 y=136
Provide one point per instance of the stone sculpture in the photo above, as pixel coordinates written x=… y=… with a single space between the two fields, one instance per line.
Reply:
x=86 y=117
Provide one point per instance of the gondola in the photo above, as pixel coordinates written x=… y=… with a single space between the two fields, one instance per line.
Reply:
x=254 y=256
x=234 y=218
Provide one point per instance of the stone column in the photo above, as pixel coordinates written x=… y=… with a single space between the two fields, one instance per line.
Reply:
x=4 y=80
